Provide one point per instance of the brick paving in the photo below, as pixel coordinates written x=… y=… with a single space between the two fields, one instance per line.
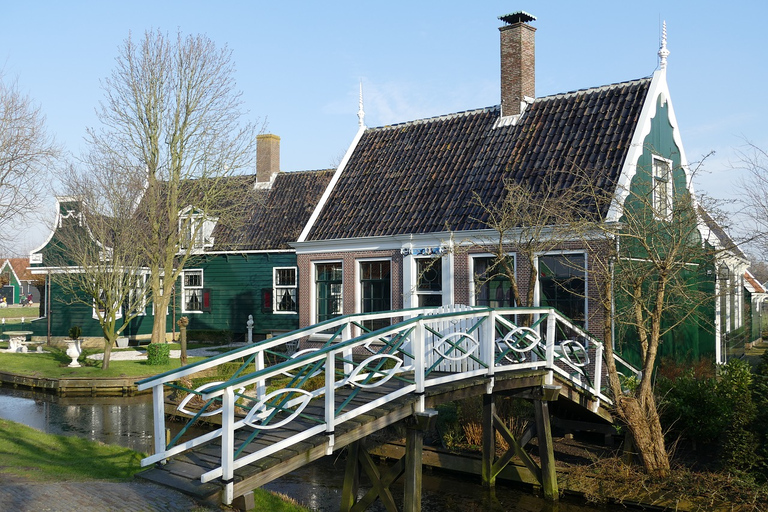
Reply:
x=18 y=495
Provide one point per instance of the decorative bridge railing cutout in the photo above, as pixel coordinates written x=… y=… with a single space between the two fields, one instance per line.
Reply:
x=322 y=384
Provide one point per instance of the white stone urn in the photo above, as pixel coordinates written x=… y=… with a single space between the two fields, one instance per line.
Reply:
x=73 y=351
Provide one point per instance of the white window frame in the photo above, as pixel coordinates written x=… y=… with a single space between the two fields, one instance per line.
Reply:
x=142 y=279
x=472 y=283
x=537 y=284
x=662 y=203
x=359 y=276
x=443 y=270
x=95 y=311
x=195 y=229
x=184 y=289
x=276 y=288
x=313 y=286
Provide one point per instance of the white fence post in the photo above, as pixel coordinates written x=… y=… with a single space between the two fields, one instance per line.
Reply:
x=488 y=344
x=551 y=345
x=261 y=384
x=158 y=408
x=346 y=334
x=228 y=444
x=330 y=399
x=418 y=356
x=598 y=380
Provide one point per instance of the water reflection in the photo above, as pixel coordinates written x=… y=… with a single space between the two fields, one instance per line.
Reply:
x=125 y=421
x=319 y=486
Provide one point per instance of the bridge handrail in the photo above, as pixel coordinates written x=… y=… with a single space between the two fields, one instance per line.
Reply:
x=419 y=333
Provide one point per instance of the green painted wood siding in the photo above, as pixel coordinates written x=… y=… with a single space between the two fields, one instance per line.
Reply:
x=694 y=338
x=236 y=283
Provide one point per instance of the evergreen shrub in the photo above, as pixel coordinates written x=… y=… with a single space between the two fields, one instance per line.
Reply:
x=158 y=354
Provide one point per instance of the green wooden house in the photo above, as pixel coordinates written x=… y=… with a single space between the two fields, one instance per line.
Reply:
x=18 y=283
x=233 y=273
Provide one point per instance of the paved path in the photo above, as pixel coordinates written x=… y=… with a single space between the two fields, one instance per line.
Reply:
x=18 y=495
x=139 y=354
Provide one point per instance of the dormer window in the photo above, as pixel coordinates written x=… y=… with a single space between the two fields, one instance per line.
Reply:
x=662 y=188
x=195 y=229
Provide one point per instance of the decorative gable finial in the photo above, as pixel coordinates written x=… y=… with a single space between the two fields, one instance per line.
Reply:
x=360 y=112
x=663 y=52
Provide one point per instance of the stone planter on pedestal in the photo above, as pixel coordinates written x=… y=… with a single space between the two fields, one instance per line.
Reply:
x=73 y=351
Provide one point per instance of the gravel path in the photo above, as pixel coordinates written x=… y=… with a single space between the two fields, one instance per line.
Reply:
x=18 y=495
x=140 y=353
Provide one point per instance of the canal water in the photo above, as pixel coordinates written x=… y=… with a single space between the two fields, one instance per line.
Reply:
x=127 y=421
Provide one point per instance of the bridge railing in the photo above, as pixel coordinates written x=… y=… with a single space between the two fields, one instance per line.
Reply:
x=305 y=370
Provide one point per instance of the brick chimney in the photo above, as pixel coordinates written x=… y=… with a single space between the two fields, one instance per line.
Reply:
x=518 y=61
x=267 y=157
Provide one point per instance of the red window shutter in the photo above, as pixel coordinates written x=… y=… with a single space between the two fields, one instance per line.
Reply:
x=207 y=300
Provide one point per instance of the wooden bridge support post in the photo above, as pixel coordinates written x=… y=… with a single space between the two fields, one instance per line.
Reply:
x=546 y=449
x=351 y=477
x=414 y=444
x=489 y=441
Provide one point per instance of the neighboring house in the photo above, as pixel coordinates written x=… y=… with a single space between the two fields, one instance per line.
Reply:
x=234 y=272
x=755 y=306
x=383 y=235
x=17 y=281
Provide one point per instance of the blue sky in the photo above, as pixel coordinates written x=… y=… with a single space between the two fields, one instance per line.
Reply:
x=299 y=64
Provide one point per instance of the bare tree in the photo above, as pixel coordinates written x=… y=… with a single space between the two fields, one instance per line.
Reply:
x=656 y=276
x=27 y=154
x=95 y=250
x=527 y=223
x=754 y=186
x=172 y=115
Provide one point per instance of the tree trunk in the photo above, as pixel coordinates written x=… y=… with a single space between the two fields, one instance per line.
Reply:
x=107 y=352
x=645 y=426
x=159 y=324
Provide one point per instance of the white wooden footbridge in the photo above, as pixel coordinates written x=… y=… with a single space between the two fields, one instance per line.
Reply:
x=337 y=382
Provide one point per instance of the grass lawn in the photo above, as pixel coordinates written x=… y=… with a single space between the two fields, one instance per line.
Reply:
x=33 y=455
x=41 y=457
x=53 y=364
x=27 y=312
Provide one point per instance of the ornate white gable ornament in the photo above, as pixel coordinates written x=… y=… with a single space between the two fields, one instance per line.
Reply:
x=360 y=113
x=663 y=52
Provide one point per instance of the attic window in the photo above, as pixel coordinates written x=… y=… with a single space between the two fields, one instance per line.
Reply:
x=662 y=188
x=195 y=230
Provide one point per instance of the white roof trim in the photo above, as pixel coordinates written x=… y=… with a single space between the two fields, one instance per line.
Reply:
x=657 y=88
x=331 y=184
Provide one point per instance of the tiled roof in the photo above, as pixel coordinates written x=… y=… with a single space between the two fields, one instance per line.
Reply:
x=723 y=238
x=418 y=177
x=753 y=283
x=277 y=215
x=20 y=267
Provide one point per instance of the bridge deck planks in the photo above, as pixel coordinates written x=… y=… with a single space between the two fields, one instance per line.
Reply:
x=183 y=473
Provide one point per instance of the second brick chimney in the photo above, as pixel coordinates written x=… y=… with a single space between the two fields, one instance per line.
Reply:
x=267 y=157
x=518 y=61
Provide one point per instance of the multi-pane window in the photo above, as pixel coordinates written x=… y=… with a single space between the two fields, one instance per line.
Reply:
x=375 y=290
x=429 y=281
x=563 y=285
x=284 y=285
x=99 y=309
x=192 y=233
x=492 y=285
x=328 y=287
x=192 y=291
x=662 y=188
x=138 y=293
